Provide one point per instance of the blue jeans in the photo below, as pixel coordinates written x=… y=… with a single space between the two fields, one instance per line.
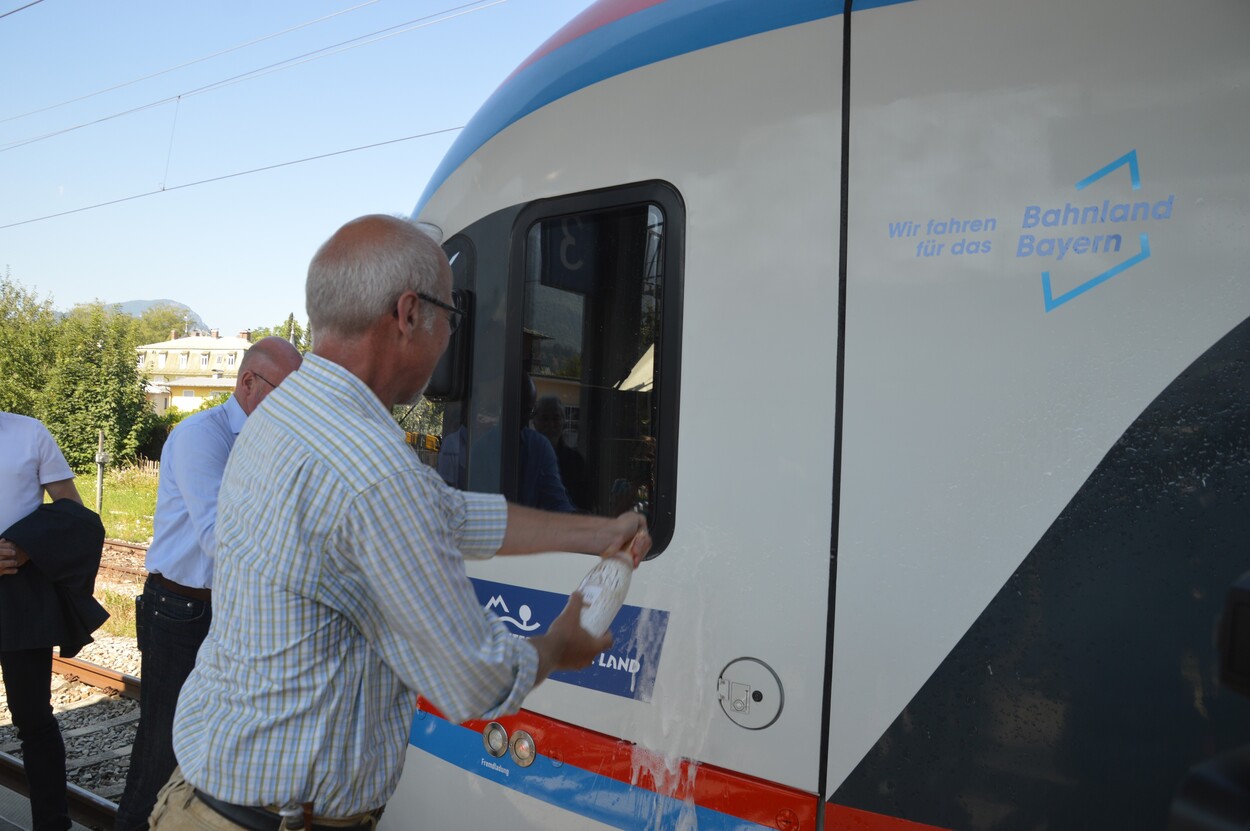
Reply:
x=170 y=629
x=27 y=678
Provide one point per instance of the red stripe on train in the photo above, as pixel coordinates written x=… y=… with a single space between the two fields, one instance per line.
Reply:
x=842 y=818
x=595 y=17
x=736 y=794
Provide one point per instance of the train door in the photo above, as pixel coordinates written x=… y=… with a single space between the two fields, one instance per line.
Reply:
x=733 y=153
x=1045 y=477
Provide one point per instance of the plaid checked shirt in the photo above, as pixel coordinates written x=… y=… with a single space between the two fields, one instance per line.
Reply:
x=340 y=593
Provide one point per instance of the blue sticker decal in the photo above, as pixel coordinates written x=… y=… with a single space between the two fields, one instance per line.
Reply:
x=1052 y=303
x=1077 y=232
x=1134 y=173
x=627 y=670
x=1129 y=159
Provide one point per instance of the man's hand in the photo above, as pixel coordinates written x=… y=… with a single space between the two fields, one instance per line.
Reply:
x=11 y=557
x=565 y=644
x=628 y=529
x=531 y=530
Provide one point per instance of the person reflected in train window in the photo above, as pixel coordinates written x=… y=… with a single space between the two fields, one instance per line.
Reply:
x=173 y=614
x=539 y=483
x=453 y=459
x=549 y=420
x=340 y=592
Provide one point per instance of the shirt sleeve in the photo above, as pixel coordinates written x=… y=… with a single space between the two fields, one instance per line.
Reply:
x=198 y=461
x=52 y=464
x=405 y=537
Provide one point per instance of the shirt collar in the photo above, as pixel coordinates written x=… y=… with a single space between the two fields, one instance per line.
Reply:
x=324 y=372
x=234 y=414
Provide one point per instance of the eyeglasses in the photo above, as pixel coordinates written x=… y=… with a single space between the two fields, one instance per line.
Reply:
x=454 y=313
x=263 y=378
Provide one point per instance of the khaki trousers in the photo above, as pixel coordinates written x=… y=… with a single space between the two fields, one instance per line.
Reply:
x=177 y=809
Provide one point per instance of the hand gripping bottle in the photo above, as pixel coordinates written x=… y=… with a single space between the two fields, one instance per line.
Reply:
x=604 y=590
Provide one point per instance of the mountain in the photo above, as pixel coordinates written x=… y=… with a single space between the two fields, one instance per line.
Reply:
x=136 y=308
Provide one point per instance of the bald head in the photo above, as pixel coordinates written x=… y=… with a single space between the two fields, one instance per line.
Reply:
x=264 y=366
x=357 y=275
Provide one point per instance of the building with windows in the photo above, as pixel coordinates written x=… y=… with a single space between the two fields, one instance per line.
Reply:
x=184 y=372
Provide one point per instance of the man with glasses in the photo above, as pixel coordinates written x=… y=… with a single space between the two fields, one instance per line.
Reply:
x=344 y=593
x=173 y=613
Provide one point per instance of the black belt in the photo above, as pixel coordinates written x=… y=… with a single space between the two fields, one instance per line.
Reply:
x=260 y=819
x=177 y=588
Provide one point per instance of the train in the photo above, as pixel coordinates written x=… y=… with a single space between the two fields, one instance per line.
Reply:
x=920 y=330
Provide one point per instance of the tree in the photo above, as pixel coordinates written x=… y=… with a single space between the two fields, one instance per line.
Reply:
x=299 y=336
x=27 y=333
x=95 y=384
x=156 y=322
x=425 y=416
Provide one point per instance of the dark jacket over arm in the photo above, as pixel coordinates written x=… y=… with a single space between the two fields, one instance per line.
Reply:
x=49 y=601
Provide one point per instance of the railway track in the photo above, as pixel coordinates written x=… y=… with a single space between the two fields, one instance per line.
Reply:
x=97 y=735
x=122 y=562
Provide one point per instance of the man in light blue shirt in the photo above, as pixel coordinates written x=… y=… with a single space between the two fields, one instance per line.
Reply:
x=175 y=609
x=341 y=592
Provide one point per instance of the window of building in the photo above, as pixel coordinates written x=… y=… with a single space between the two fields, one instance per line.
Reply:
x=230 y=359
x=160 y=360
x=188 y=393
x=182 y=360
x=204 y=360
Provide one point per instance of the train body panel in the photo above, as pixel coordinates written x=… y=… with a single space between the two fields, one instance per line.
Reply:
x=1003 y=396
x=910 y=547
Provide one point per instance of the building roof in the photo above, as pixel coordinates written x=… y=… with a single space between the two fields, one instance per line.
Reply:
x=199 y=343
x=202 y=381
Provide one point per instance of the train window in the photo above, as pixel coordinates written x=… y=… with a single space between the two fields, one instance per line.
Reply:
x=575 y=342
x=599 y=289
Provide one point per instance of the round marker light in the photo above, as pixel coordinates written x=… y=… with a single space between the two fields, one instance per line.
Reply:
x=495 y=738
x=523 y=750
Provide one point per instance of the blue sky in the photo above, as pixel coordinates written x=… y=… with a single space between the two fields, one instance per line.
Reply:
x=234 y=250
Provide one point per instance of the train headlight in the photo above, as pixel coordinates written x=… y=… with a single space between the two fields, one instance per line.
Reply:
x=495 y=738
x=523 y=750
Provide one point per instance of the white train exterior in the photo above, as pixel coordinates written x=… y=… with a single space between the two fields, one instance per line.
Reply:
x=922 y=332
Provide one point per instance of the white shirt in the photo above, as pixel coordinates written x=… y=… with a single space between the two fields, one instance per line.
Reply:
x=192 y=463
x=29 y=459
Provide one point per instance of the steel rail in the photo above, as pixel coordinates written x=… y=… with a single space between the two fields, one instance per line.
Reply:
x=97 y=676
x=85 y=808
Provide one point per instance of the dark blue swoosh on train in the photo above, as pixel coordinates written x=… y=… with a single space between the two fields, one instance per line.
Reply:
x=1086 y=689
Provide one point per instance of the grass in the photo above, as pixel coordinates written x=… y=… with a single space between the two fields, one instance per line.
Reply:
x=121 y=609
x=129 y=502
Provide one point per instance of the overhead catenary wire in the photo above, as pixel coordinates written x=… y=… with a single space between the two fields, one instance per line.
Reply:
x=225 y=176
x=317 y=54
x=185 y=64
x=21 y=8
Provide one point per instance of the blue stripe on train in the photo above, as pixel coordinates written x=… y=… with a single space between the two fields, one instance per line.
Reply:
x=654 y=34
x=599 y=798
